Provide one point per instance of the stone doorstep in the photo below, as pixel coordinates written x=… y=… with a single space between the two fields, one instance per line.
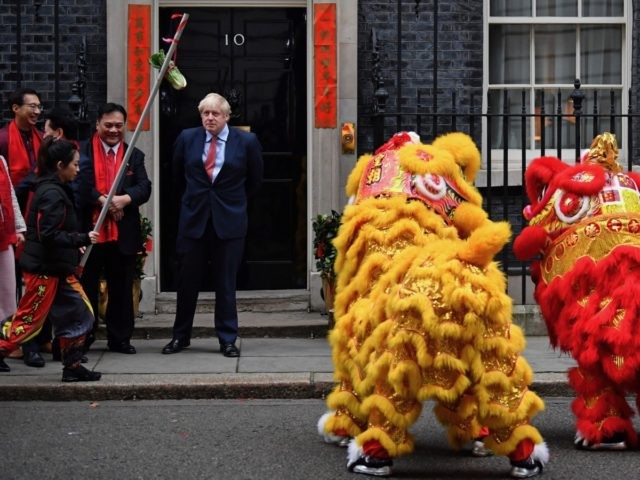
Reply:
x=290 y=324
x=247 y=301
x=284 y=324
x=294 y=302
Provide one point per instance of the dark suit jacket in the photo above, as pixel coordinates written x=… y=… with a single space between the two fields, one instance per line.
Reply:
x=225 y=200
x=135 y=182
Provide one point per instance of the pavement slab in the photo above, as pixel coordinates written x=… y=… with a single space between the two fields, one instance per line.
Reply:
x=269 y=367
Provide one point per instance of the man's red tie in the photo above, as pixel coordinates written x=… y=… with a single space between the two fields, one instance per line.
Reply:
x=111 y=165
x=210 y=162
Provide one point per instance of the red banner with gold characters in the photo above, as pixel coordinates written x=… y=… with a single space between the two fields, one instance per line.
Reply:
x=139 y=51
x=326 y=82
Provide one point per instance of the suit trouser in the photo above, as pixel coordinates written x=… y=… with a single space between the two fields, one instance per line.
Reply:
x=118 y=270
x=225 y=257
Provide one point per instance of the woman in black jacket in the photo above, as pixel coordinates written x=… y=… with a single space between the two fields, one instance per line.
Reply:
x=49 y=260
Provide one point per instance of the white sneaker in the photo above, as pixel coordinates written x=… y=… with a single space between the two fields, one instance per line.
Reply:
x=533 y=465
x=479 y=450
x=336 y=440
x=615 y=442
x=377 y=467
x=329 y=437
x=526 y=468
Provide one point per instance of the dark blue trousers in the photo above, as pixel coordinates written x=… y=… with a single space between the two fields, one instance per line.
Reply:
x=194 y=255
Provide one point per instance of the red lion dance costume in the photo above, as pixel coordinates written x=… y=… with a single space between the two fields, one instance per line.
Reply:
x=584 y=234
x=421 y=312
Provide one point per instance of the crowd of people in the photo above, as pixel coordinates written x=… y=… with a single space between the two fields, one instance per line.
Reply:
x=53 y=189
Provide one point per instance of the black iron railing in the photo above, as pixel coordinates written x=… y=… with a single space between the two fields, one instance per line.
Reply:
x=504 y=197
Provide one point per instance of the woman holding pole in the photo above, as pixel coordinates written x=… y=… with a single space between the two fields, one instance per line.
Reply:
x=51 y=255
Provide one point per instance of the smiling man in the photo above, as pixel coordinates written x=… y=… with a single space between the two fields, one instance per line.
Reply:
x=115 y=254
x=20 y=139
x=19 y=144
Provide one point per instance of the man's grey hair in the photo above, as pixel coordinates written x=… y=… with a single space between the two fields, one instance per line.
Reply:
x=212 y=101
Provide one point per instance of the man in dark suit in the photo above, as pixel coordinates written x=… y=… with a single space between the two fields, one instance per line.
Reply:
x=120 y=237
x=221 y=168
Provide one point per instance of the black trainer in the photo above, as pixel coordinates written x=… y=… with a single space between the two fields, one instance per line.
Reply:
x=379 y=467
x=79 y=374
x=526 y=468
x=3 y=366
x=478 y=449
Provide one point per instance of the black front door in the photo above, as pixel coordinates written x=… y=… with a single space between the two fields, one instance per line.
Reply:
x=256 y=58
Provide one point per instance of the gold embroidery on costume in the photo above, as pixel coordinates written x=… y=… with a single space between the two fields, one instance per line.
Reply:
x=421 y=308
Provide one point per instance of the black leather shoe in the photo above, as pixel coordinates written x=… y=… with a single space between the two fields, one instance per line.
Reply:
x=3 y=366
x=122 y=347
x=33 y=359
x=176 y=345
x=79 y=374
x=229 y=350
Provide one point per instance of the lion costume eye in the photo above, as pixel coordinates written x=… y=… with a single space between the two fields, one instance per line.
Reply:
x=542 y=193
x=570 y=208
x=434 y=187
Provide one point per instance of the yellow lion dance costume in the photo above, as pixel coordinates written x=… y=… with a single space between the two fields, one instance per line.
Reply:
x=421 y=312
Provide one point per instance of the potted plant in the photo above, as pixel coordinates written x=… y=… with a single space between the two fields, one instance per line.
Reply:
x=325 y=229
x=146 y=242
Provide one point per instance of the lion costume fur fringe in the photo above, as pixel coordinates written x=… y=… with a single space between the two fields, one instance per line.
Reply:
x=584 y=239
x=422 y=312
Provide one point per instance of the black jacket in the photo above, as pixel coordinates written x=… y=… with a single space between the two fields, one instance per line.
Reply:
x=135 y=183
x=52 y=239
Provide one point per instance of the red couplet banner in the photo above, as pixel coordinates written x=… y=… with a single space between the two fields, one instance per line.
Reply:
x=138 y=53
x=325 y=65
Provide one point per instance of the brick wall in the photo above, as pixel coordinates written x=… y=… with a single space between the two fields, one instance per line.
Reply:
x=77 y=18
x=459 y=60
x=459 y=63
x=459 y=57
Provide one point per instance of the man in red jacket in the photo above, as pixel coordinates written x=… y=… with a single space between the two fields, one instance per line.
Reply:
x=20 y=139
x=19 y=144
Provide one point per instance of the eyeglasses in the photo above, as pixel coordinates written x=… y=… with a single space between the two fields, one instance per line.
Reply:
x=34 y=106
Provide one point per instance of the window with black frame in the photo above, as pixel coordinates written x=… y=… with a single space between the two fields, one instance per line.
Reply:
x=540 y=47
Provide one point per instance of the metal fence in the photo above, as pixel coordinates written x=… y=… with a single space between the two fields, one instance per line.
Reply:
x=504 y=198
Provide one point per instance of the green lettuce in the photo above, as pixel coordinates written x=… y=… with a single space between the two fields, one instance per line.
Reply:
x=173 y=75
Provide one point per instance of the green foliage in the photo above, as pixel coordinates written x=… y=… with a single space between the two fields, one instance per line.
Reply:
x=146 y=234
x=325 y=229
x=174 y=76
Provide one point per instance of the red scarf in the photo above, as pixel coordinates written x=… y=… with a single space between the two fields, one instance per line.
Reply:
x=105 y=174
x=7 y=217
x=19 y=164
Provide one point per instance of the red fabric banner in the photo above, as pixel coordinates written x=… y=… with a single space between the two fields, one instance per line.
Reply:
x=325 y=65
x=138 y=53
